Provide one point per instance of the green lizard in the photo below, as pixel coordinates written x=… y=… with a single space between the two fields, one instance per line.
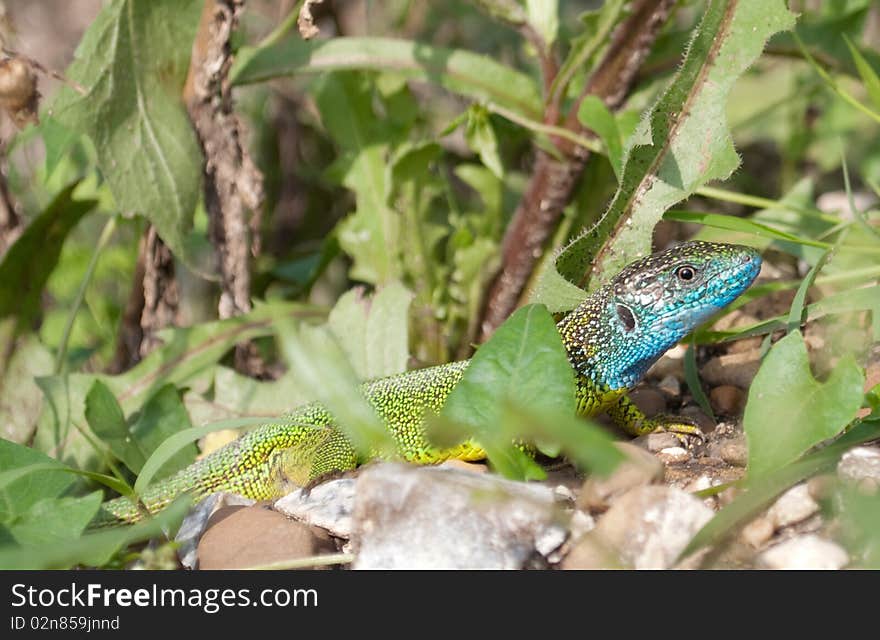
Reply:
x=612 y=338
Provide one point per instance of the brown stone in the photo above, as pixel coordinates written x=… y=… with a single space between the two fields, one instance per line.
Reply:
x=639 y=468
x=257 y=536
x=727 y=400
x=737 y=369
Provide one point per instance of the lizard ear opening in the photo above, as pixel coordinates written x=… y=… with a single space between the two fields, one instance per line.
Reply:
x=627 y=319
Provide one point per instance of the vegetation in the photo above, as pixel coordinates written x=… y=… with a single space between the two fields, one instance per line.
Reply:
x=185 y=258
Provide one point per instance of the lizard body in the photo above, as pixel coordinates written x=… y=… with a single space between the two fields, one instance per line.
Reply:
x=611 y=338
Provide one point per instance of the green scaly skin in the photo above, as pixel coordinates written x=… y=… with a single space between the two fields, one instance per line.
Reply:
x=612 y=338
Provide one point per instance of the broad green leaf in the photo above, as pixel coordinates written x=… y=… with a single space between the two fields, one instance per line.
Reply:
x=20 y=398
x=161 y=417
x=524 y=364
x=93 y=549
x=373 y=330
x=543 y=15
x=867 y=73
x=133 y=62
x=187 y=354
x=788 y=411
x=474 y=76
x=370 y=235
x=860 y=526
x=55 y=521
x=482 y=140
x=28 y=263
x=682 y=143
x=22 y=490
x=594 y=115
x=328 y=377
x=107 y=421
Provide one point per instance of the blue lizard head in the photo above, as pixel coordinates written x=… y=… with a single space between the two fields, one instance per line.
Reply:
x=652 y=304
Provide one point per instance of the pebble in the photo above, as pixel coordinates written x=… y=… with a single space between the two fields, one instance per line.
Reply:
x=793 y=506
x=637 y=469
x=197 y=520
x=648 y=527
x=733 y=451
x=735 y=369
x=674 y=454
x=757 y=532
x=861 y=466
x=727 y=400
x=649 y=401
x=670 y=386
x=257 y=536
x=590 y=552
x=804 y=552
x=328 y=505
x=696 y=415
x=431 y=517
x=657 y=441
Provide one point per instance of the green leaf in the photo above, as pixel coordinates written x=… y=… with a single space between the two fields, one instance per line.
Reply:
x=107 y=421
x=29 y=262
x=133 y=62
x=187 y=354
x=543 y=15
x=867 y=73
x=682 y=143
x=370 y=235
x=19 y=488
x=524 y=364
x=20 y=398
x=474 y=76
x=55 y=521
x=326 y=375
x=373 y=330
x=481 y=138
x=594 y=115
x=788 y=411
x=162 y=416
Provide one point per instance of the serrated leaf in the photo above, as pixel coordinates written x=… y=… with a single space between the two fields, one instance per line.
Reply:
x=133 y=62
x=682 y=143
x=788 y=411
x=28 y=263
x=472 y=75
x=373 y=331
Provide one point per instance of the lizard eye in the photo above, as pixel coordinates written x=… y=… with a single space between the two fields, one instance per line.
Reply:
x=686 y=273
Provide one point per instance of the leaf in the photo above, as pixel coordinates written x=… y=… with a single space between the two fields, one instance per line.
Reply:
x=22 y=490
x=788 y=411
x=187 y=353
x=107 y=421
x=373 y=331
x=523 y=364
x=161 y=417
x=594 y=115
x=55 y=521
x=326 y=375
x=474 y=76
x=543 y=15
x=482 y=140
x=370 y=235
x=29 y=262
x=867 y=73
x=20 y=398
x=133 y=62
x=681 y=143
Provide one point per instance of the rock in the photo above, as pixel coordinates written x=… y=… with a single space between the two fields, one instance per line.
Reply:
x=671 y=455
x=328 y=505
x=591 y=552
x=727 y=400
x=804 y=552
x=694 y=414
x=657 y=441
x=861 y=466
x=648 y=527
x=670 y=386
x=735 y=369
x=639 y=468
x=733 y=451
x=649 y=401
x=431 y=517
x=200 y=517
x=757 y=532
x=257 y=536
x=735 y=320
x=793 y=506
x=670 y=364
x=474 y=467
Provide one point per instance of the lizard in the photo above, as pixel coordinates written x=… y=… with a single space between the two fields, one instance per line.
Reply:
x=611 y=339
